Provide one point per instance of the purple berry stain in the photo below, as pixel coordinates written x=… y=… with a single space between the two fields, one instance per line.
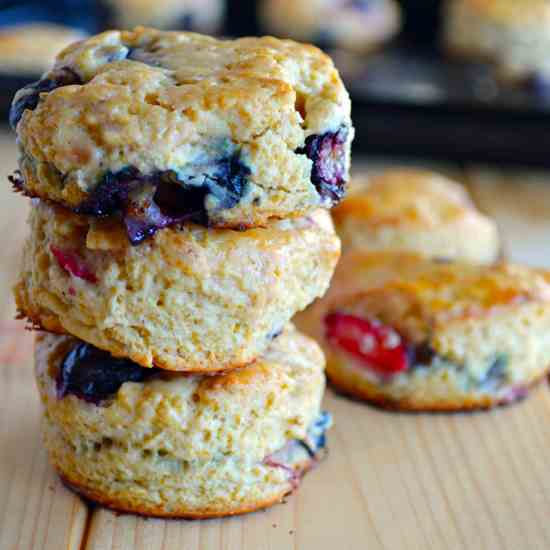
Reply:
x=28 y=97
x=151 y=202
x=94 y=375
x=328 y=154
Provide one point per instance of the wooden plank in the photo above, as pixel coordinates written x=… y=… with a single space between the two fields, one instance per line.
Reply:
x=36 y=510
x=520 y=202
x=391 y=481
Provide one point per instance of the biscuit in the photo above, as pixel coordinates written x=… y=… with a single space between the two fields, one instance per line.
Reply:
x=190 y=298
x=165 y=127
x=172 y=445
x=30 y=49
x=358 y=26
x=188 y=15
x=514 y=35
x=415 y=211
x=441 y=336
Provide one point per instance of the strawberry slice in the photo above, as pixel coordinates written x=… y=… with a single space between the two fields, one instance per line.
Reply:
x=378 y=346
x=73 y=264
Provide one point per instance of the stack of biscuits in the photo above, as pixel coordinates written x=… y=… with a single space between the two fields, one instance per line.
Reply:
x=423 y=313
x=180 y=192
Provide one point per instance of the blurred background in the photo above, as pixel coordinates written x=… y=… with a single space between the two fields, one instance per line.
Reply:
x=461 y=87
x=417 y=90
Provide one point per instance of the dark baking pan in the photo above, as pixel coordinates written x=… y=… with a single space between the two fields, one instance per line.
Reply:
x=411 y=100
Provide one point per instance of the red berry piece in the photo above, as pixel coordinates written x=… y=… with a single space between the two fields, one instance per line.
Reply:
x=377 y=346
x=73 y=264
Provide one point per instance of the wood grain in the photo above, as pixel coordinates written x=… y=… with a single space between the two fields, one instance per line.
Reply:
x=391 y=481
x=520 y=201
x=36 y=511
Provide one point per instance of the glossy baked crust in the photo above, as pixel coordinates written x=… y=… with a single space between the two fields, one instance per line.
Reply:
x=238 y=131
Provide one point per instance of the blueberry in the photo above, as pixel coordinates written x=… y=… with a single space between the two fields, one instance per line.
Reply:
x=421 y=355
x=29 y=96
x=143 y=56
x=497 y=373
x=151 y=202
x=111 y=194
x=95 y=375
x=328 y=154
x=316 y=436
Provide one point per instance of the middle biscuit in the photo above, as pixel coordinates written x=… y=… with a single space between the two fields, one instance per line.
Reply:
x=162 y=303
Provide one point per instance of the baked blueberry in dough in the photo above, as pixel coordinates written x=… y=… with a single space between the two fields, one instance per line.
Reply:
x=174 y=445
x=189 y=298
x=155 y=128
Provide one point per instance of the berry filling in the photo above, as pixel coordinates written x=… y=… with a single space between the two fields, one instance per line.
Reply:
x=17 y=182
x=328 y=154
x=377 y=346
x=94 y=375
x=497 y=375
x=151 y=202
x=294 y=475
x=69 y=261
x=29 y=96
x=315 y=440
x=313 y=444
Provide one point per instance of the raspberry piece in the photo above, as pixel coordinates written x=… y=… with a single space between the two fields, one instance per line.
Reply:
x=73 y=264
x=378 y=346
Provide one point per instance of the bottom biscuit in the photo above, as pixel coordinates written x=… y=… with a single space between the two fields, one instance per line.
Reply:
x=172 y=445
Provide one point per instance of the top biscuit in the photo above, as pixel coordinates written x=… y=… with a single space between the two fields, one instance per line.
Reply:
x=171 y=126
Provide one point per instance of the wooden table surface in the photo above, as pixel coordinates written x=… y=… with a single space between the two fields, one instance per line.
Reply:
x=391 y=481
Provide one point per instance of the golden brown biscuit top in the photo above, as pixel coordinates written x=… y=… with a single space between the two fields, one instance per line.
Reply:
x=197 y=71
x=427 y=293
x=509 y=11
x=408 y=198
